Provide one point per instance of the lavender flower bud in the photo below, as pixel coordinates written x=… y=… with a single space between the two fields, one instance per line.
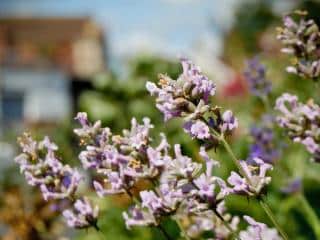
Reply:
x=229 y=122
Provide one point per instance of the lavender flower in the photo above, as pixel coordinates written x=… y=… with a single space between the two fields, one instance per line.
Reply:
x=257 y=178
x=154 y=206
x=258 y=231
x=122 y=159
x=209 y=222
x=229 y=122
x=138 y=217
x=177 y=98
x=301 y=121
x=182 y=191
x=255 y=74
x=181 y=188
x=82 y=215
x=189 y=97
x=263 y=146
x=43 y=169
x=301 y=39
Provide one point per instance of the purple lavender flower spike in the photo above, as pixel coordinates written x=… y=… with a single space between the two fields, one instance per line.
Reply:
x=301 y=40
x=263 y=146
x=301 y=121
x=189 y=97
x=180 y=97
x=43 y=169
x=256 y=78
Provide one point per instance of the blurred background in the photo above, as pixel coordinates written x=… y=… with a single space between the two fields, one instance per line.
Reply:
x=61 y=57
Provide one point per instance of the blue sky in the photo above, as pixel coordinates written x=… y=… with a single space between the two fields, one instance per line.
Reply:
x=170 y=27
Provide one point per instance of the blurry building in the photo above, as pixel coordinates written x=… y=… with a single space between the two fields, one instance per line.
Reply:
x=44 y=65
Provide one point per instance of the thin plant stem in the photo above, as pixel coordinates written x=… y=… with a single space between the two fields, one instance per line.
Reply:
x=185 y=235
x=99 y=232
x=164 y=232
x=226 y=224
x=311 y=216
x=234 y=159
x=271 y=216
x=262 y=202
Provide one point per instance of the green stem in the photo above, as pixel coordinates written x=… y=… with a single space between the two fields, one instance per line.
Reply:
x=100 y=233
x=311 y=216
x=185 y=235
x=226 y=224
x=164 y=232
x=234 y=159
x=271 y=216
x=262 y=202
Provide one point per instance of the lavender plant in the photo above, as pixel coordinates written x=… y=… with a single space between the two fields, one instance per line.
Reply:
x=301 y=122
x=41 y=168
x=301 y=39
x=181 y=187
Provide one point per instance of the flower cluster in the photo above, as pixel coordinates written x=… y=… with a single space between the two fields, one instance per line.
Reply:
x=301 y=122
x=181 y=97
x=209 y=223
x=57 y=181
x=121 y=159
x=258 y=231
x=41 y=168
x=185 y=192
x=301 y=39
x=83 y=214
x=189 y=97
x=255 y=74
x=180 y=188
x=254 y=182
